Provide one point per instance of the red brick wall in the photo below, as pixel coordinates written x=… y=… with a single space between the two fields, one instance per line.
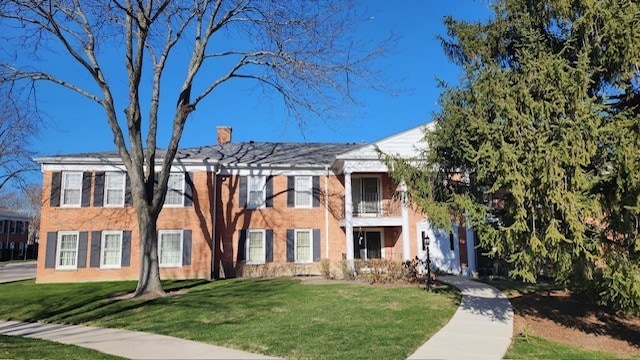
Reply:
x=196 y=218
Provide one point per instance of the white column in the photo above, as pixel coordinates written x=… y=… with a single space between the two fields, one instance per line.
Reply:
x=348 y=216
x=406 y=240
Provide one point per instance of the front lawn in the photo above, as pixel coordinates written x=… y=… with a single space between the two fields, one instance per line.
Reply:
x=278 y=317
x=14 y=347
x=533 y=347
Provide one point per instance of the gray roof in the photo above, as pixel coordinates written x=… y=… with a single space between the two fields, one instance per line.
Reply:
x=244 y=153
x=10 y=214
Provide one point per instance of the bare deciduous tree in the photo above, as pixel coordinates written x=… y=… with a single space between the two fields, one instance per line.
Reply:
x=18 y=127
x=302 y=50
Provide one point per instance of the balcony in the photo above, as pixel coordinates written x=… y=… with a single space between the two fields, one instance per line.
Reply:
x=370 y=205
x=370 y=210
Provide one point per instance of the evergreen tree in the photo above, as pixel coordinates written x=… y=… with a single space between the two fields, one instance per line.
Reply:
x=546 y=120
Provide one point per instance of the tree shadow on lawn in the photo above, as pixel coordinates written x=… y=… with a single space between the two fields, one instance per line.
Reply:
x=201 y=298
x=574 y=310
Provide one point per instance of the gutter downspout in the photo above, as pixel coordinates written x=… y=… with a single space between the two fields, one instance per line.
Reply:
x=214 y=228
x=326 y=211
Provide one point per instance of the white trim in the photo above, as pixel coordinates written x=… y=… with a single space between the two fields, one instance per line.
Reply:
x=124 y=186
x=295 y=192
x=63 y=187
x=168 y=232
x=290 y=171
x=182 y=192
x=264 y=246
x=59 y=242
x=295 y=246
x=102 y=248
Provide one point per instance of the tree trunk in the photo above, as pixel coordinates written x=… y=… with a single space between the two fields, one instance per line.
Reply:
x=149 y=281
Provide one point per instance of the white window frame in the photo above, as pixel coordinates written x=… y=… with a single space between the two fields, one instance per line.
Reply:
x=263 y=182
x=102 y=248
x=63 y=188
x=264 y=246
x=20 y=248
x=181 y=191
x=167 y=232
x=107 y=175
x=295 y=246
x=13 y=226
x=296 y=190
x=59 y=243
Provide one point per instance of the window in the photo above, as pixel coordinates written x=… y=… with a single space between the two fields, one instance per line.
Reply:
x=256 y=191
x=20 y=249
x=67 y=250
x=71 y=194
x=303 y=188
x=170 y=248
x=111 y=249
x=12 y=227
x=175 y=190
x=303 y=246
x=1 y=226
x=255 y=247
x=114 y=183
x=20 y=227
x=1 y=244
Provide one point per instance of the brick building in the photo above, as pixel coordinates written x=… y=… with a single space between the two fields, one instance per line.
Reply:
x=14 y=235
x=233 y=206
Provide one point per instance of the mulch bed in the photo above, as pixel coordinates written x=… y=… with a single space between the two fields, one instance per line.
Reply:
x=569 y=318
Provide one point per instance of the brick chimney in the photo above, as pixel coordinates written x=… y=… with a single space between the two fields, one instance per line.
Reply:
x=224 y=134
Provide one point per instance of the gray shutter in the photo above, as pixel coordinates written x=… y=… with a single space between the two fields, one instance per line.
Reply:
x=56 y=185
x=86 y=189
x=291 y=255
x=188 y=189
x=242 y=240
x=50 y=256
x=269 y=191
x=94 y=258
x=268 y=245
x=186 y=247
x=316 y=244
x=316 y=191
x=243 y=192
x=128 y=200
x=291 y=191
x=82 y=249
x=98 y=190
x=125 y=260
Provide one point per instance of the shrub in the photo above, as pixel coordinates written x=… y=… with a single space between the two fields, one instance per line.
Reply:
x=325 y=268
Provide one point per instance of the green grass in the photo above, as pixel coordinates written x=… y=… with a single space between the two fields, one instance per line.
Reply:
x=532 y=347
x=14 y=347
x=278 y=317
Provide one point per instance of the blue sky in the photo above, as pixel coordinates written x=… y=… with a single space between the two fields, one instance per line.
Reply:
x=75 y=124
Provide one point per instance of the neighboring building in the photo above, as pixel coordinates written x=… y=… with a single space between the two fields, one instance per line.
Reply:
x=236 y=205
x=14 y=235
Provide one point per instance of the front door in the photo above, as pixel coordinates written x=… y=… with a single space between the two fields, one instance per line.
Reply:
x=367 y=245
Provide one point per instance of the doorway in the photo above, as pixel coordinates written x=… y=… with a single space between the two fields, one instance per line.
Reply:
x=367 y=245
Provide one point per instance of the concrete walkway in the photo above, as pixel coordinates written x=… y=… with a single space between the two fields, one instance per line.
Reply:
x=480 y=329
x=124 y=343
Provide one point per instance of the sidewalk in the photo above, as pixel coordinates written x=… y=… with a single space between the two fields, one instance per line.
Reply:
x=480 y=329
x=124 y=343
